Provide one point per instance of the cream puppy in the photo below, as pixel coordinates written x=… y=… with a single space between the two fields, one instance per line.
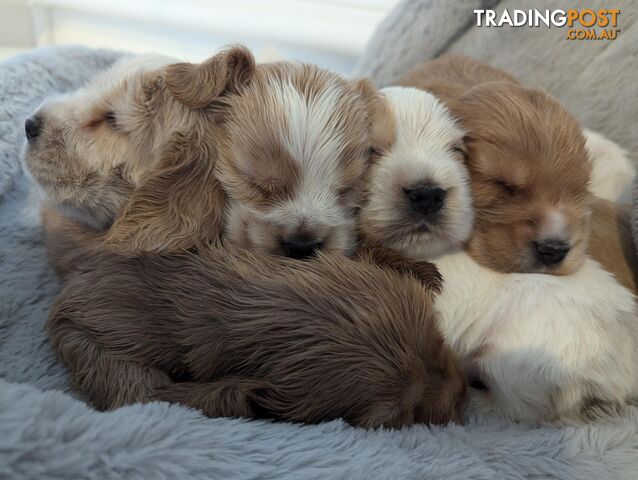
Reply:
x=419 y=202
x=125 y=158
x=87 y=150
x=545 y=346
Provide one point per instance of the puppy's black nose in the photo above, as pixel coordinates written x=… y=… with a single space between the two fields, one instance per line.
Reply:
x=301 y=248
x=32 y=127
x=426 y=199
x=551 y=252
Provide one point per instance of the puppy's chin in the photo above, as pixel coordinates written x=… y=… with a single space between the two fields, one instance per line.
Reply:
x=36 y=170
x=423 y=241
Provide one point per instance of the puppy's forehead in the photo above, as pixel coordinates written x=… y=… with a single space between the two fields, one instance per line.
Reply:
x=109 y=89
x=422 y=121
x=131 y=65
x=311 y=130
x=528 y=132
x=312 y=114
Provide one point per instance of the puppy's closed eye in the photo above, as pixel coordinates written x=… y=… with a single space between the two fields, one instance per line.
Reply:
x=110 y=119
x=270 y=188
x=460 y=151
x=506 y=187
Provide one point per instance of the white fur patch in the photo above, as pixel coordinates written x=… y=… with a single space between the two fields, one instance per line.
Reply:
x=613 y=172
x=315 y=140
x=548 y=342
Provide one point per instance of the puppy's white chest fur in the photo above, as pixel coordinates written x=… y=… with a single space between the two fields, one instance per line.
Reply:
x=546 y=346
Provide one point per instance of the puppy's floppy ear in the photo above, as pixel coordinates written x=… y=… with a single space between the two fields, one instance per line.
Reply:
x=462 y=148
x=382 y=124
x=198 y=85
x=180 y=206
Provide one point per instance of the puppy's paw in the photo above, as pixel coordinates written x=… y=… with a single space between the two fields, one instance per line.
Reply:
x=425 y=272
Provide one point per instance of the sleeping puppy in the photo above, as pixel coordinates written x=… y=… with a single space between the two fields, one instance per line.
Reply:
x=259 y=336
x=118 y=155
x=529 y=167
x=101 y=335
x=135 y=155
x=545 y=346
x=296 y=149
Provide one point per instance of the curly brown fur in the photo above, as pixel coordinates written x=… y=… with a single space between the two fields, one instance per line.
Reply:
x=528 y=166
x=304 y=341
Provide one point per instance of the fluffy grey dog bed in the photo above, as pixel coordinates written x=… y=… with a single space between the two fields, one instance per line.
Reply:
x=47 y=433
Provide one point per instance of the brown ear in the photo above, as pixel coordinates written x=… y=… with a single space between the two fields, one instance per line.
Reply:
x=382 y=124
x=198 y=85
x=180 y=206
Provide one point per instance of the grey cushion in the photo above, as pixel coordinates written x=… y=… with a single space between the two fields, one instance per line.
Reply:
x=597 y=80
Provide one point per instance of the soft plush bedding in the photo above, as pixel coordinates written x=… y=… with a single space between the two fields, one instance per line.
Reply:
x=47 y=432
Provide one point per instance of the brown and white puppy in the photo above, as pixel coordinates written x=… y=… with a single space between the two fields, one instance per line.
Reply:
x=528 y=165
x=296 y=144
x=417 y=207
x=259 y=336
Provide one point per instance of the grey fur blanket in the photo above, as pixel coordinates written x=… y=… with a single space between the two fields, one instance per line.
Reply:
x=45 y=432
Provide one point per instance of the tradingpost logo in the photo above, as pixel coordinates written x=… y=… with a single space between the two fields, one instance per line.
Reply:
x=582 y=24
